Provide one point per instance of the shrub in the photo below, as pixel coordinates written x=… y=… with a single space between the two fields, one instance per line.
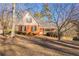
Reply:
x=18 y=32
x=53 y=34
x=76 y=38
x=8 y=31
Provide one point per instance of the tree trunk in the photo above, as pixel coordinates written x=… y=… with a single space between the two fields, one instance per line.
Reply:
x=59 y=35
x=3 y=31
x=13 y=25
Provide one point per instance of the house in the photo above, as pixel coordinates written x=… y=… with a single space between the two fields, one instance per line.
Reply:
x=29 y=24
x=73 y=29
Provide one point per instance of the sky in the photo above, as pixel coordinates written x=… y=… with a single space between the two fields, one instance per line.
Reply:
x=37 y=7
x=34 y=7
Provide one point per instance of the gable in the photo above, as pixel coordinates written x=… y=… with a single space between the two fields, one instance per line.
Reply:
x=27 y=20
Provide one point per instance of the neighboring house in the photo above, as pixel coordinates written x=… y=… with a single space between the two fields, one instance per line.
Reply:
x=29 y=24
x=1 y=29
x=72 y=31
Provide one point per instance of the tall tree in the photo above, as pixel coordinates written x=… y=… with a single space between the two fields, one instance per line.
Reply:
x=13 y=19
x=4 y=21
x=62 y=17
x=46 y=12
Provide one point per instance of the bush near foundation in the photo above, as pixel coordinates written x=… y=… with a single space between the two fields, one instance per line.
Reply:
x=53 y=34
x=18 y=32
x=76 y=38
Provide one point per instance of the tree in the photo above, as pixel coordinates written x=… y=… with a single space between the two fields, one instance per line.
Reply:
x=38 y=15
x=13 y=19
x=4 y=21
x=46 y=12
x=63 y=16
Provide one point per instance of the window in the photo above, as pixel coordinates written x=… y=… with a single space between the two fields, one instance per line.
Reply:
x=29 y=20
x=23 y=28
x=47 y=29
x=20 y=28
x=34 y=28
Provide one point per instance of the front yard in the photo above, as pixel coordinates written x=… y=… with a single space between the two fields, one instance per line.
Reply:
x=21 y=47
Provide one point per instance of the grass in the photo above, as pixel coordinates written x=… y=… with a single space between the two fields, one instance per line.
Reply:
x=22 y=47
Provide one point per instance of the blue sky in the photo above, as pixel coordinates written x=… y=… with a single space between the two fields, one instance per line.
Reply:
x=34 y=7
x=37 y=7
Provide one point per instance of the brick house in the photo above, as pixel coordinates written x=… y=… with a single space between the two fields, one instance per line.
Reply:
x=29 y=24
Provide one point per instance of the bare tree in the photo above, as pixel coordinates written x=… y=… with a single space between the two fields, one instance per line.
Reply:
x=13 y=19
x=61 y=16
x=4 y=18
